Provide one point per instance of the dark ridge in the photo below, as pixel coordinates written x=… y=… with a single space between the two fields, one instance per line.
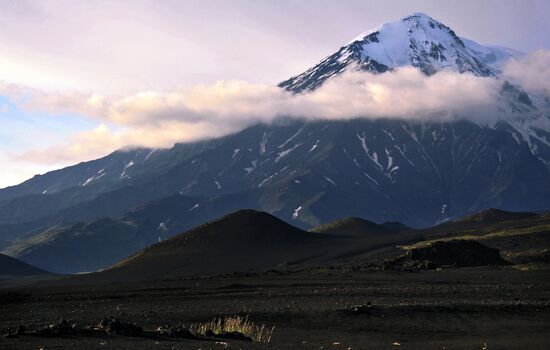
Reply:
x=494 y=216
x=351 y=227
x=12 y=267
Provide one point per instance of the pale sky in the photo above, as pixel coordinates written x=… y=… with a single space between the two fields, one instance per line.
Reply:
x=119 y=48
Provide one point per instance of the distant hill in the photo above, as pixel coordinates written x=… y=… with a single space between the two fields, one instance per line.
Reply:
x=351 y=227
x=12 y=267
x=248 y=240
x=85 y=247
x=242 y=241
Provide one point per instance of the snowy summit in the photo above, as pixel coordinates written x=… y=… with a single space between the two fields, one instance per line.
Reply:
x=417 y=40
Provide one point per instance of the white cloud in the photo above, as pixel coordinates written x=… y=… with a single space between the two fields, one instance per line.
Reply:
x=531 y=71
x=160 y=119
x=15 y=172
x=403 y=93
x=103 y=139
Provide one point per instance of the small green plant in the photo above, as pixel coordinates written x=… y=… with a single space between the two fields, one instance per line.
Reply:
x=228 y=324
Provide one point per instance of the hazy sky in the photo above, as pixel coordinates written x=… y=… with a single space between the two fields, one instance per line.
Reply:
x=119 y=48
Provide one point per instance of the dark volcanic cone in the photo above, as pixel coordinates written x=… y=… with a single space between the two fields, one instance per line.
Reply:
x=243 y=241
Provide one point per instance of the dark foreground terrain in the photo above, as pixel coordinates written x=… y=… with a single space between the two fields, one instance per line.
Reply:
x=320 y=308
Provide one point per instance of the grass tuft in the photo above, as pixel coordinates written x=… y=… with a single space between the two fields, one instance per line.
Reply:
x=258 y=333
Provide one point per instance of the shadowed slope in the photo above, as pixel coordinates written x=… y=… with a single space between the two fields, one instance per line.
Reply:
x=12 y=267
x=79 y=247
x=396 y=226
x=355 y=227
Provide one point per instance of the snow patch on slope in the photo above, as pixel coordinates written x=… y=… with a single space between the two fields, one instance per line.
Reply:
x=296 y=213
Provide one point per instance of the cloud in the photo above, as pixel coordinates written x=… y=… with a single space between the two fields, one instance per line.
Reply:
x=403 y=93
x=104 y=139
x=531 y=71
x=160 y=119
x=15 y=172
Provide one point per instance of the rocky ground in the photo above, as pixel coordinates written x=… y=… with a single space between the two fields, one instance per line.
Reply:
x=467 y=308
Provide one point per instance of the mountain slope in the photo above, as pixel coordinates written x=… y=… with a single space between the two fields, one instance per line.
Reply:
x=469 y=167
x=48 y=194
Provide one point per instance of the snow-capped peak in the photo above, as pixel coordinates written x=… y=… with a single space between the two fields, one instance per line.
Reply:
x=416 y=21
x=417 y=40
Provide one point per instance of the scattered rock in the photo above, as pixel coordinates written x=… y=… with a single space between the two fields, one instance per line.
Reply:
x=228 y=335
x=15 y=333
x=61 y=328
x=367 y=309
x=175 y=332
